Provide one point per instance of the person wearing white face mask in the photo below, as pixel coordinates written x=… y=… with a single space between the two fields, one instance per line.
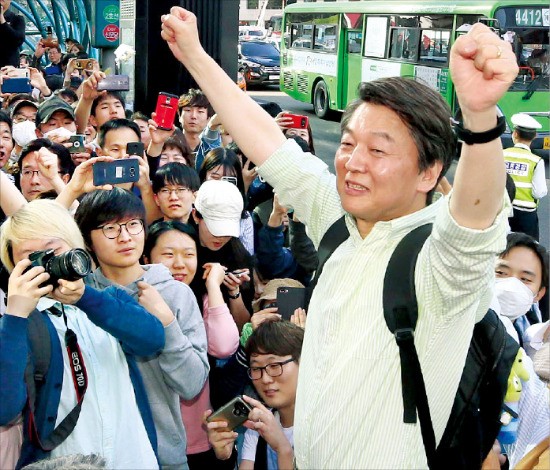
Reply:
x=23 y=115
x=521 y=281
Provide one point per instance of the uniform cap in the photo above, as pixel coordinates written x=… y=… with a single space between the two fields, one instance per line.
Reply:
x=524 y=121
x=49 y=107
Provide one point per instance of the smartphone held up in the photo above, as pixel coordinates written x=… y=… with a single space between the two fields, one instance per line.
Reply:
x=117 y=172
x=233 y=413
x=166 y=110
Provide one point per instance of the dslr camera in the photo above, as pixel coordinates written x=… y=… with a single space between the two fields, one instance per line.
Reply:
x=70 y=266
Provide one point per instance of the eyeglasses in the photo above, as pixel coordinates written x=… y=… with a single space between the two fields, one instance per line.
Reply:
x=179 y=191
x=112 y=231
x=18 y=118
x=275 y=369
x=30 y=173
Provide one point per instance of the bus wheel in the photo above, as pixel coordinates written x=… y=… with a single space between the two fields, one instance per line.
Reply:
x=320 y=100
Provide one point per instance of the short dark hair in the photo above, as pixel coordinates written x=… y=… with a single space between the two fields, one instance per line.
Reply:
x=139 y=115
x=518 y=239
x=176 y=173
x=156 y=229
x=196 y=98
x=229 y=161
x=5 y=117
x=12 y=99
x=100 y=207
x=279 y=337
x=66 y=164
x=67 y=93
x=421 y=109
x=115 y=124
x=109 y=94
x=525 y=134
x=182 y=146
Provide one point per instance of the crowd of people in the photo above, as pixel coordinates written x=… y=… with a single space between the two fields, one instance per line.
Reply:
x=131 y=312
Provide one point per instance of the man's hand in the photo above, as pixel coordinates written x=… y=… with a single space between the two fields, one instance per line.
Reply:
x=152 y=301
x=40 y=49
x=48 y=164
x=158 y=136
x=39 y=82
x=483 y=67
x=89 y=86
x=68 y=292
x=24 y=289
x=262 y=315
x=179 y=30
x=219 y=437
x=144 y=182
x=278 y=213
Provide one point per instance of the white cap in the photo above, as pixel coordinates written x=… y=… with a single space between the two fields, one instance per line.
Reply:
x=525 y=122
x=220 y=204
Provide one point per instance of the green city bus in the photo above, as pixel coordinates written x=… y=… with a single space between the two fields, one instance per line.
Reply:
x=329 y=48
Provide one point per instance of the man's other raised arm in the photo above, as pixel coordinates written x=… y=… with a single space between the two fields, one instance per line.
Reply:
x=256 y=133
x=482 y=68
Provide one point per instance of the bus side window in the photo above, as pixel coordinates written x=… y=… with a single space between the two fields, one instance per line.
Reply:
x=404 y=43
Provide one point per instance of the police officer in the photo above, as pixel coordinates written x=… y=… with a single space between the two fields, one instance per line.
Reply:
x=527 y=171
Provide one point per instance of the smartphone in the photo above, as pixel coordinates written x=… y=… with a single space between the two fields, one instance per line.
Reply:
x=75 y=82
x=114 y=83
x=77 y=142
x=298 y=121
x=289 y=299
x=49 y=40
x=233 y=413
x=135 y=148
x=84 y=64
x=119 y=171
x=166 y=110
x=230 y=179
x=53 y=70
x=16 y=85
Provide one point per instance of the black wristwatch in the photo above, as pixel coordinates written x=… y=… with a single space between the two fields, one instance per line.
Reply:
x=471 y=138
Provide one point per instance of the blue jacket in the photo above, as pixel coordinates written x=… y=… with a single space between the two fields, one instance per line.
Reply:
x=139 y=332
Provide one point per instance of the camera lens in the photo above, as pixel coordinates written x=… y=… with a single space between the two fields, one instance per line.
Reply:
x=71 y=266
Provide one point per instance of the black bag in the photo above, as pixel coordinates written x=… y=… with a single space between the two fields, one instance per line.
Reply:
x=474 y=422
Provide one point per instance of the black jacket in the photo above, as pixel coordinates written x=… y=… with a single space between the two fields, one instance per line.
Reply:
x=12 y=35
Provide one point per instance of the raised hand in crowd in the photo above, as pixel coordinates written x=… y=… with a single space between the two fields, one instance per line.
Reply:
x=233 y=280
x=48 y=165
x=25 y=288
x=158 y=137
x=299 y=318
x=283 y=121
x=11 y=198
x=39 y=82
x=214 y=275
x=262 y=315
x=249 y=173
x=40 y=49
x=152 y=301
x=82 y=182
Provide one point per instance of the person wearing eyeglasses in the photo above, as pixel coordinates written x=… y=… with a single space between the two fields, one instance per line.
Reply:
x=113 y=226
x=44 y=167
x=174 y=187
x=274 y=350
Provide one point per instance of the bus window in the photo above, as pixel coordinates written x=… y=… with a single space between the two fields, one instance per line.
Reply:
x=404 y=43
x=434 y=47
x=301 y=36
x=325 y=38
x=354 y=42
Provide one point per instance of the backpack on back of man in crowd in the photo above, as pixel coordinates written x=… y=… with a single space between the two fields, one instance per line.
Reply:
x=475 y=417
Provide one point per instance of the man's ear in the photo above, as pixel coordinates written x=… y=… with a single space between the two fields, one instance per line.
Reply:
x=66 y=177
x=156 y=198
x=430 y=176
x=38 y=133
x=93 y=121
x=540 y=295
x=194 y=215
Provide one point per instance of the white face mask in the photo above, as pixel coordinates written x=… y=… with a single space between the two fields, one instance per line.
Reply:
x=24 y=133
x=514 y=297
x=59 y=132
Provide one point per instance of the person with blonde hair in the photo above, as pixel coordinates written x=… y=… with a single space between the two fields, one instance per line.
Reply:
x=103 y=331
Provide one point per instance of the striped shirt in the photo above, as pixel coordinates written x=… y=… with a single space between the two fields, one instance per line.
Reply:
x=349 y=410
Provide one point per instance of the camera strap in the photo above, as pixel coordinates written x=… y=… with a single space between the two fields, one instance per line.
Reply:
x=80 y=382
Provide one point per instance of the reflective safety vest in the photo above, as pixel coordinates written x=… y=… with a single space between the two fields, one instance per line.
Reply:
x=520 y=165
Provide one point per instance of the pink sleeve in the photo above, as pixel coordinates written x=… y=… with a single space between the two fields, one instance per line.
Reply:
x=221 y=330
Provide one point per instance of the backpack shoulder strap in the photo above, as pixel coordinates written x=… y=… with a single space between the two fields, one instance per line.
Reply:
x=336 y=234
x=260 y=459
x=401 y=313
x=40 y=345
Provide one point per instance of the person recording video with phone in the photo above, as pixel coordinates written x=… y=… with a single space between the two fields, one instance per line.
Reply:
x=12 y=34
x=274 y=351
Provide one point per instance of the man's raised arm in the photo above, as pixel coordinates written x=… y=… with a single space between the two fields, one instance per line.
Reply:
x=256 y=133
x=482 y=68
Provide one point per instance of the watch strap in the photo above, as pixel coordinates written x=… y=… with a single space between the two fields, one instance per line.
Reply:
x=471 y=138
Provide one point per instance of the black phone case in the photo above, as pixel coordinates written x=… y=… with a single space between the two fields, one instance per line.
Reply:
x=289 y=299
x=114 y=83
x=117 y=172
x=135 y=148
x=78 y=143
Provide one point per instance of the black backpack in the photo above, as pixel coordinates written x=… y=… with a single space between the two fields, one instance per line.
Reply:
x=474 y=422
